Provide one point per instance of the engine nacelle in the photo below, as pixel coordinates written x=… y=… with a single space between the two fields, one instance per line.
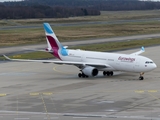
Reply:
x=90 y=71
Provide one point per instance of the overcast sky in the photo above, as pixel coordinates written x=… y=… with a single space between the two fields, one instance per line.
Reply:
x=21 y=0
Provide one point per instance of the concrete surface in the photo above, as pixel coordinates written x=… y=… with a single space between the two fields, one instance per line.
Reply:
x=37 y=91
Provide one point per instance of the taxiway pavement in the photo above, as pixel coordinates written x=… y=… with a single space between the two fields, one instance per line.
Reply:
x=37 y=91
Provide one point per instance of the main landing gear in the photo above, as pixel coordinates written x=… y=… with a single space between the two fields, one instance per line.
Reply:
x=82 y=75
x=108 y=73
x=141 y=76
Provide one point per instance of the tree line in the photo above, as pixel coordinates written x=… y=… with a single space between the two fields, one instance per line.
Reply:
x=69 y=8
x=120 y=5
x=41 y=11
x=108 y=5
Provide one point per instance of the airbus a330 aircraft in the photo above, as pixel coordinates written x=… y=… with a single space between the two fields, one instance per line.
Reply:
x=90 y=63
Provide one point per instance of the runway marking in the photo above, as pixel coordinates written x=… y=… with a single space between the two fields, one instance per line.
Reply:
x=154 y=96
x=2 y=94
x=55 y=69
x=148 y=91
x=152 y=91
x=139 y=91
x=34 y=94
x=17 y=56
x=54 y=107
x=21 y=118
x=45 y=93
x=45 y=107
x=48 y=93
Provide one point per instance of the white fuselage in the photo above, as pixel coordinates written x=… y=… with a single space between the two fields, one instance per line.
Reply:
x=118 y=62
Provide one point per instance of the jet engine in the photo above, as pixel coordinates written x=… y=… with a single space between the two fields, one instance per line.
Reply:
x=90 y=71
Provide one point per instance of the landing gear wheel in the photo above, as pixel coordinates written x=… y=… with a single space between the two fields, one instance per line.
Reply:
x=83 y=75
x=104 y=73
x=80 y=75
x=108 y=73
x=111 y=73
x=141 y=78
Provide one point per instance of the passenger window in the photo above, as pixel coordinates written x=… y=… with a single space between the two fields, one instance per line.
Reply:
x=146 y=62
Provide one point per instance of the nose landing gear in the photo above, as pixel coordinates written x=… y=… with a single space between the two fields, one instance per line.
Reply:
x=141 y=76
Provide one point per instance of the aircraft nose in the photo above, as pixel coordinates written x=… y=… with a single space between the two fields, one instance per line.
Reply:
x=154 y=66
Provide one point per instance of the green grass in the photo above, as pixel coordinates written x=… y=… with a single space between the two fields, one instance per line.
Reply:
x=27 y=36
x=72 y=33
x=112 y=46
x=33 y=55
x=130 y=15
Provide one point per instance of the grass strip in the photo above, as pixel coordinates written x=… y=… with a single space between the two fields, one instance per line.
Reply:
x=31 y=55
x=120 y=45
x=72 y=33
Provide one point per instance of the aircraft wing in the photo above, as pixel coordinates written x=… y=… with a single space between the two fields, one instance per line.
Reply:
x=62 y=62
x=139 y=52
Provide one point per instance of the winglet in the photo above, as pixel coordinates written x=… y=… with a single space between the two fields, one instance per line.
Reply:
x=6 y=57
x=139 y=52
x=142 y=48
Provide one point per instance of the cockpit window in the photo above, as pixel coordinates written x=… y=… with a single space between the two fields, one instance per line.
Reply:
x=149 y=62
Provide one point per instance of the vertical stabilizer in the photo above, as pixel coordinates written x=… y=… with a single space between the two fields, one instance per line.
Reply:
x=52 y=40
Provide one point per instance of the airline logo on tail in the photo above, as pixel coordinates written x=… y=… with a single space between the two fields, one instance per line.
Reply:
x=57 y=48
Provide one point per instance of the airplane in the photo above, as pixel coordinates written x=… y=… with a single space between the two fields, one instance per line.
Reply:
x=90 y=62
